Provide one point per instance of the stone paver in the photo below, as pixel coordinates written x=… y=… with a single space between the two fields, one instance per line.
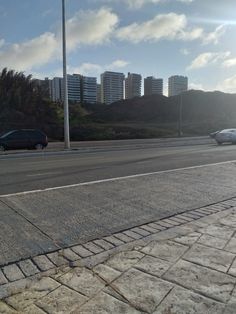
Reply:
x=142 y=290
x=167 y=250
x=28 y=268
x=69 y=254
x=106 y=273
x=5 y=309
x=123 y=237
x=103 y=303
x=231 y=245
x=153 y=265
x=230 y=221
x=215 y=242
x=13 y=272
x=124 y=260
x=149 y=229
x=3 y=279
x=21 y=301
x=43 y=262
x=57 y=258
x=61 y=300
x=141 y=231
x=218 y=230
x=187 y=269
x=201 y=279
x=188 y=239
x=83 y=281
x=232 y=270
x=182 y=301
x=133 y=234
x=83 y=252
x=93 y=247
x=33 y=309
x=113 y=240
x=104 y=244
x=210 y=257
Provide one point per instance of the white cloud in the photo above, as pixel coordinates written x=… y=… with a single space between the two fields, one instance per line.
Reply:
x=196 y=86
x=228 y=85
x=32 y=53
x=86 y=68
x=161 y=26
x=96 y=69
x=208 y=58
x=84 y=28
x=138 y=4
x=169 y=26
x=2 y=43
x=117 y=64
x=213 y=37
x=229 y=63
x=90 y=27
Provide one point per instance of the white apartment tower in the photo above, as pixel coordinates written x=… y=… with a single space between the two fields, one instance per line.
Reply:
x=133 y=85
x=55 y=86
x=153 y=86
x=112 y=87
x=177 y=84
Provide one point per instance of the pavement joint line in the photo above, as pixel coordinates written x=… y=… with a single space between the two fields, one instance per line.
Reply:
x=29 y=221
x=116 y=179
x=90 y=262
x=53 y=257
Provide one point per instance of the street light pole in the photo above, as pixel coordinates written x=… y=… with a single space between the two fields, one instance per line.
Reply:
x=66 y=106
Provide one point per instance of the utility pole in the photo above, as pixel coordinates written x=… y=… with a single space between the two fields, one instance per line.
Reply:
x=66 y=105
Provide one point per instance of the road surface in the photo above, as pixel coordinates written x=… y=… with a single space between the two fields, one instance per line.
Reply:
x=57 y=199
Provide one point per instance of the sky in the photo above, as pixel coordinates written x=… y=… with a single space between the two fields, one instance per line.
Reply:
x=160 y=38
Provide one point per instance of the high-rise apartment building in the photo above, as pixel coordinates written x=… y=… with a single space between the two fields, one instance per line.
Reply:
x=80 y=88
x=177 y=84
x=112 y=87
x=153 y=86
x=133 y=85
x=88 y=89
x=74 y=87
x=55 y=88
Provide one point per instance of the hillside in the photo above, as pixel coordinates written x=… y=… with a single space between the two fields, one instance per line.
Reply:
x=24 y=105
x=197 y=106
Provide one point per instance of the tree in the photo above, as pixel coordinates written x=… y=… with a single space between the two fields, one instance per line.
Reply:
x=22 y=103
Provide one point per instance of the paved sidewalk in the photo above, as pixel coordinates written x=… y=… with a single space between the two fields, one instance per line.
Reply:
x=186 y=269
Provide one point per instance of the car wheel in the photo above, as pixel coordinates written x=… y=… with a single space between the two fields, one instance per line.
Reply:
x=39 y=146
x=2 y=148
x=219 y=143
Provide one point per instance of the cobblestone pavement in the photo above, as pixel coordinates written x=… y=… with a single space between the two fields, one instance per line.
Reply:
x=185 y=264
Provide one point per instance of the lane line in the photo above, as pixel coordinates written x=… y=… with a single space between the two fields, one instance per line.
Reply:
x=116 y=179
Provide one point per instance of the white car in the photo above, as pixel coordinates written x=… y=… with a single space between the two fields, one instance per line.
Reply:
x=225 y=136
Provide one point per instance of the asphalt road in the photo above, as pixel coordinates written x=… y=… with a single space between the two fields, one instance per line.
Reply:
x=110 y=187
x=27 y=171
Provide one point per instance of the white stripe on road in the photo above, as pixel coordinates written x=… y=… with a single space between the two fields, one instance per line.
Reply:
x=117 y=178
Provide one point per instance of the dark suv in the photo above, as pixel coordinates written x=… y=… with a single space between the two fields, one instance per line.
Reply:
x=22 y=139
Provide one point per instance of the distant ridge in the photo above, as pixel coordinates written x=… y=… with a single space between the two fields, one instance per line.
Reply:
x=197 y=106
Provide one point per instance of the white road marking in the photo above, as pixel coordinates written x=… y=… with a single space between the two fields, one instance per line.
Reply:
x=117 y=179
